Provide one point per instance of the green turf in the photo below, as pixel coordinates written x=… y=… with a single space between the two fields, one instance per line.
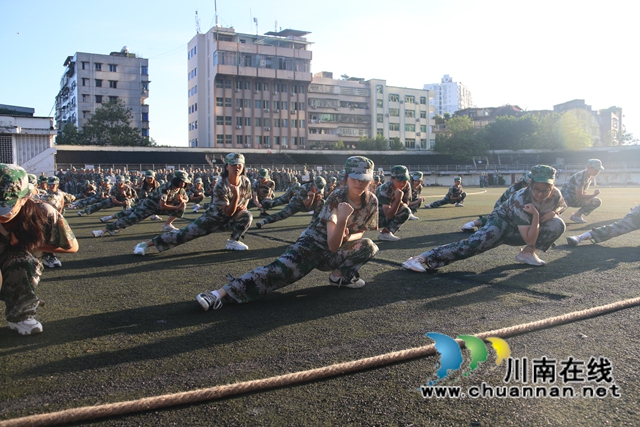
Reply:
x=120 y=327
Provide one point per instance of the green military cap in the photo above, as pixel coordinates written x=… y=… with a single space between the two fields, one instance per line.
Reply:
x=376 y=178
x=42 y=178
x=234 y=159
x=14 y=186
x=457 y=178
x=198 y=181
x=400 y=173
x=595 y=163
x=149 y=174
x=333 y=179
x=319 y=182
x=182 y=176
x=417 y=176
x=33 y=180
x=53 y=180
x=543 y=173
x=263 y=173
x=119 y=179
x=359 y=167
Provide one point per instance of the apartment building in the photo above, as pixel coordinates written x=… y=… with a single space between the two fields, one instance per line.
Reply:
x=92 y=79
x=449 y=96
x=248 y=90
x=348 y=109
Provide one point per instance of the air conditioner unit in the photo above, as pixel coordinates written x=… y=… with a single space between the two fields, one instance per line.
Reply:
x=237 y=90
x=401 y=102
x=292 y=94
x=418 y=134
x=276 y=110
x=238 y=108
x=337 y=109
x=256 y=91
x=266 y=110
x=267 y=128
x=275 y=92
x=293 y=111
x=238 y=127
x=386 y=115
x=247 y=145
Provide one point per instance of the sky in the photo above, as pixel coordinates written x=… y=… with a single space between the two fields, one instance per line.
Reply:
x=530 y=54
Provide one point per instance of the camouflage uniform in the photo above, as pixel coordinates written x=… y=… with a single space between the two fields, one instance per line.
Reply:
x=101 y=194
x=629 y=223
x=580 y=181
x=505 y=196
x=263 y=190
x=124 y=195
x=214 y=218
x=312 y=251
x=296 y=204
x=384 y=193
x=502 y=228
x=453 y=192
x=151 y=206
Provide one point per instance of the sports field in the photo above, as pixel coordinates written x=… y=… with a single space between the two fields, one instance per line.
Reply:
x=120 y=327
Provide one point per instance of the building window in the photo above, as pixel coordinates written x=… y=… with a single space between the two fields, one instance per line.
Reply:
x=145 y=117
x=220 y=139
x=247 y=121
x=239 y=139
x=394 y=97
x=219 y=102
x=98 y=99
x=145 y=132
x=113 y=68
x=85 y=98
x=6 y=149
x=380 y=103
x=113 y=84
x=85 y=81
x=219 y=83
x=423 y=100
x=380 y=118
x=409 y=128
x=86 y=114
x=144 y=69
x=113 y=99
x=423 y=114
x=257 y=121
x=423 y=128
x=410 y=143
x=394 y=112
x=219 y=120
x=85 y=65
x=98 y=66
x=379 y=89
x=227 y=120
x=409 y=113
x=380 y=132
x=410 y=99
x=394 y=126
x=98 y=83
x=228 y=102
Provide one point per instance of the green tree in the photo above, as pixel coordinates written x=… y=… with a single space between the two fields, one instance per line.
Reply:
x=511 y=133
x=68 y=135
x=379 y=143
x=460 y=139
x=339 y=145
x=396 y=145
x=111 y=125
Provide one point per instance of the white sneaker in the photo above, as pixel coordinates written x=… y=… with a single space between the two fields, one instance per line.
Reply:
x=140 y=249
x=26 y=327
x=428 y=206
x=106 y=218
x=234 y=245
x=80 y=213
x=311 y=212
x=209 y=300
x=47 y=261
x=529 y=258
x=578 y=219
x=459 y=205
x=355 y=283
x=195 y=208
x=56 y=261
x=469 y=227
x=414 y=264
x=389 y=237
x=97 y=233
x=412 y=217
x=168 y=227
x=155 y=218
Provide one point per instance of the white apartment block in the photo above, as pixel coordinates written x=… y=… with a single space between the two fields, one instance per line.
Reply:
x=449 y=96
x=248 y=90
x=346 y=110
x=91 y=79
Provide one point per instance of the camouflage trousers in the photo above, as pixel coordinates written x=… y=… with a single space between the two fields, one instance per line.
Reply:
x=495 y=233
x=586 y=205
x=20 y=276
x=263 y=202
x=629 y=223
x=139 y=212
x=448 y=201
x=88 y=201
x=394 y=224
x=295 y=205
x=272 y=203
x=238 y=224
x=298 y=261
x=105 y=204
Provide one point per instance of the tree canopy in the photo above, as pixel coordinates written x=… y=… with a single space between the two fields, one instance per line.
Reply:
x=110 y=125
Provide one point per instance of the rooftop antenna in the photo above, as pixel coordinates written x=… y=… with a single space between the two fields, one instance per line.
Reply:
x=256 y=21
x=215 y=5
x=197 y=23
x=276 y=26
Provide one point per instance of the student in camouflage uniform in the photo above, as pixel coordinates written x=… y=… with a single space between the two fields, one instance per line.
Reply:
x=148 y=185
x=120 y=195
x=170 y=198
x=575 y=189
x=285 y=198
x=196 y=194
x=228 y=211
x=455 y=195
x=416 y=189
x=332 y=242
x=56 y=198
x=102 y=193
x=629 y=223
x=393 y=200
x=470 y=226
x=262 y=189
x=529 y=217
x=307 y=198
x=26 y=226
x=332 y=184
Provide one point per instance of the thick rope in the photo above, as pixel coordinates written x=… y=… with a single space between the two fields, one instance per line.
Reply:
x=219 y=392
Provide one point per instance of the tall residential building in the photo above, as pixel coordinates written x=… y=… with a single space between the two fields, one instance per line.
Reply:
x=449 y=96
x=91 y=79
x=346 y=110
x=248 y=90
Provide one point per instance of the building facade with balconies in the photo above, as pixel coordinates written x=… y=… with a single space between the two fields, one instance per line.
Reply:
x=248 y=90
x=92 y=79
x=449 y=96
